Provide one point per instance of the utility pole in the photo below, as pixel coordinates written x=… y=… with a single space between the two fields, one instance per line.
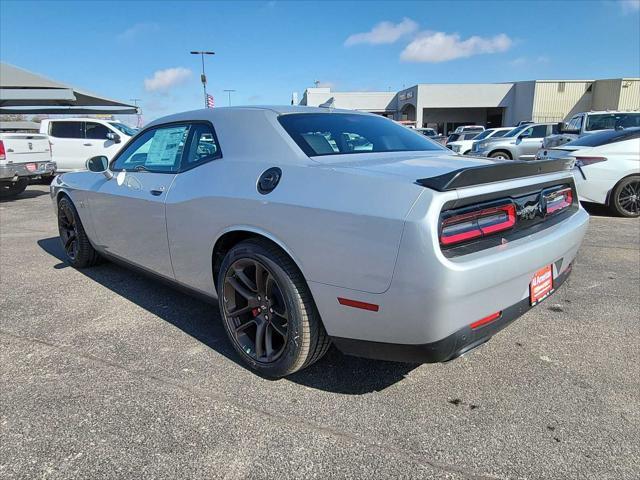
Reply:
x=138 y=112
x=229 y=91
x=203 y=77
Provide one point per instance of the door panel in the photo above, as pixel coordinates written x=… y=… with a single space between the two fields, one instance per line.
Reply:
x=68 y=145
x=129 y=219
x=129 y=210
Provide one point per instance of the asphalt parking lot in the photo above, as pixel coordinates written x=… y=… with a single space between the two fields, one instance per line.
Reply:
x=108 y=374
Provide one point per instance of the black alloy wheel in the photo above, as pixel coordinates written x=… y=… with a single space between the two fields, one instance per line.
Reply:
x=267 y=309
x=256 y=310
x=626 y=197
x=68 y=228
x=75 y=242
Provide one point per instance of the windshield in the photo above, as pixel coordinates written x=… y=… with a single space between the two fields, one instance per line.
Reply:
x=319 y=134
x=602 y=138
x=516 y=131
x=486 y=133
x=604 y=121
x=124 y=128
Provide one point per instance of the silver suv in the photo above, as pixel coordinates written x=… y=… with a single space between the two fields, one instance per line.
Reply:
x=521 y=143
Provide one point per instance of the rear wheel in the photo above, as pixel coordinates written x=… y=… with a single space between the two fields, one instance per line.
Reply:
x=79 y=251
x=625 y=197
x=267 y=309
x=11 y=189
x=500 y=155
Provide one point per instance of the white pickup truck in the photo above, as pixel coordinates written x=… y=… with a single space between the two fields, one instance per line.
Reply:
x=23 y=157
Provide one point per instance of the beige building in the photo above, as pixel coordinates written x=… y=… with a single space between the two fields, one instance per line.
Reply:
x=446 y=106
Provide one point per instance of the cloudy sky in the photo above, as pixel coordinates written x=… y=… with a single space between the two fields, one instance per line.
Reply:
x=266 y=50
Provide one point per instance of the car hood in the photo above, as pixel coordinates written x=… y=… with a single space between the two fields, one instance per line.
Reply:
x=409 y=165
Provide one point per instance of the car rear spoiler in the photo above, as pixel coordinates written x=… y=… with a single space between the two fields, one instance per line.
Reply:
x=496 y=172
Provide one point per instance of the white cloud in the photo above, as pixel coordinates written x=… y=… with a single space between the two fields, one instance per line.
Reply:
x=383 y=32
x=436 y=47
x=136 y=31
x=630 y=6
x=163 y=80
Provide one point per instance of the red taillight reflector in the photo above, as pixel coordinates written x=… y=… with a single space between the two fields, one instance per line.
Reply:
x=356 y=304
x=467 y=226
x=485 y=320
x=3 y=154
x=558 y=200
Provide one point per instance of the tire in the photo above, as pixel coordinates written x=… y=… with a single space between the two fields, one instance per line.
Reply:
x=625 y=197
x=77 y=247
x=502 y=155
x=256 y=280
x=467 y=152
x=46 y=180
x=11 y=189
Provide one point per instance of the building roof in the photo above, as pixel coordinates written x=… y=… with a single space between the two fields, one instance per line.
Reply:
x=22 y=91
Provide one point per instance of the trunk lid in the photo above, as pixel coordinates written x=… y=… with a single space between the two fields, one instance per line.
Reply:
x=26 y=147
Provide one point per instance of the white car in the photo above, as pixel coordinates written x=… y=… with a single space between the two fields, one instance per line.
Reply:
x=464 y=146
x=469 y=129
x=74 y=140
x=607 y=168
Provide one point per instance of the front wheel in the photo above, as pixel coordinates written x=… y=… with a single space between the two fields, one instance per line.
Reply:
x=625 y=198
x=79 y=251
x=11 y=189
x=267 y=309
x=500 y=156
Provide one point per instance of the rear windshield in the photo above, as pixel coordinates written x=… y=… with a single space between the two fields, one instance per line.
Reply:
x=319 y=134
x=603 y=121
x=602 y=138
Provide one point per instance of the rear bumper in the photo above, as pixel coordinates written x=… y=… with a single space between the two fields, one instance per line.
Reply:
x=13 y=171
x=443 y=350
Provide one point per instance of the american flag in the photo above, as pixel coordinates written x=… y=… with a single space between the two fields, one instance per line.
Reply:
x=210 y=102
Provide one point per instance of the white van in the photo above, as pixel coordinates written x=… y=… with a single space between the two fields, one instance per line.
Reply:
x=74 y=140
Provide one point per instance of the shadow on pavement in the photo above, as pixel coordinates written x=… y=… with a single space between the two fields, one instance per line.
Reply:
x=28 y=193
x=201 y=319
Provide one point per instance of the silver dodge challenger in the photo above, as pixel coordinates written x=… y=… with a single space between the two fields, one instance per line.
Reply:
x=318 y=226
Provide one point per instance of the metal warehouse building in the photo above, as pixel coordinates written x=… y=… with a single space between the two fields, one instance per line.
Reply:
x=446 y=106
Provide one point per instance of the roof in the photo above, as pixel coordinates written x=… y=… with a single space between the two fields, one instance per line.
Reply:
x=205 y=113
x=22 y=91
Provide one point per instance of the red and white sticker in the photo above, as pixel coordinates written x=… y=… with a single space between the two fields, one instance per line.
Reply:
x=32 y=167
x=542 y=285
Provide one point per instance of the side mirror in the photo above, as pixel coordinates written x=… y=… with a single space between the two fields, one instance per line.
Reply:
x=113 y=136
x=100 y=164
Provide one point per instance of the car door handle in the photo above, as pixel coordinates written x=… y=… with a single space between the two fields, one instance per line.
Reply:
x=157 y=191
x=87 y=144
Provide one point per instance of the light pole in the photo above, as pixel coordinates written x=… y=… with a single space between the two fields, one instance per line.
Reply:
x=138 y=113
x=203 y=77
x=229 y=92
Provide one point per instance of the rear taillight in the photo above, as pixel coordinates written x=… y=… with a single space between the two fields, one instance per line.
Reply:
x=476 y=224
x=558 y=200
x=585 y=161
x=3 y=154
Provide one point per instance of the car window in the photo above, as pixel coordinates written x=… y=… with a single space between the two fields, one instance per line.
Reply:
x=575 y=123
x=606 y=121
x=157 y=150
x=485 y=134
x=469 y=136
x=66 y=130
x=96 y=131
x=202 y=147
x=538 y=131
x=320 y=134
x=124 y=128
